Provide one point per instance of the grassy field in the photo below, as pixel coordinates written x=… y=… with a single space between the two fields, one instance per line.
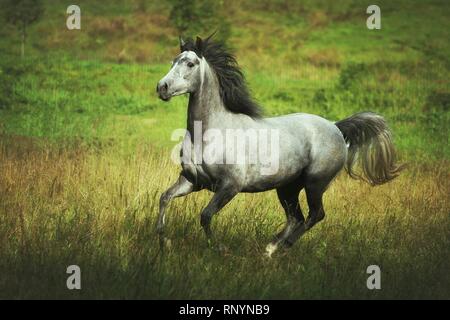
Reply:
x=85 y=154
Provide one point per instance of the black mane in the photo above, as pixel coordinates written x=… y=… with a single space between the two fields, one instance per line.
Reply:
x=233 y=87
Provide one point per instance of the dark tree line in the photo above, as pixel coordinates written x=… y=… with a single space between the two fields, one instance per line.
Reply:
x=21 y=14
x=200 y=17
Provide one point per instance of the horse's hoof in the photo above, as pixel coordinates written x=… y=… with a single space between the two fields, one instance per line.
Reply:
x=270 y=249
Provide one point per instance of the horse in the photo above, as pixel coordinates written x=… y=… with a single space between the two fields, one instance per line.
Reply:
x=311 y=153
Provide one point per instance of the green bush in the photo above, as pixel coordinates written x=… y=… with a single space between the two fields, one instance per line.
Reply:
x=10 y=73
x=351 y=74
x=439 y=101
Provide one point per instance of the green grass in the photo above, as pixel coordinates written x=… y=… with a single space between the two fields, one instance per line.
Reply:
x=85 y=154
x=54 y=99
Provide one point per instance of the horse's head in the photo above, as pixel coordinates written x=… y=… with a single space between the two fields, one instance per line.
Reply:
x=184 y=75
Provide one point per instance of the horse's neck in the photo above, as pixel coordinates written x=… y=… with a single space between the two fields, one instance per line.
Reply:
x=205 y=104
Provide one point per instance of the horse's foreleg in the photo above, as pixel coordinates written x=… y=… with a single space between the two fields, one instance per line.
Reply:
x=181 y=188
x=222 y=196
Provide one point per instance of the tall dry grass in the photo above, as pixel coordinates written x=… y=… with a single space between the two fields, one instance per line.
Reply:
x=97 y=208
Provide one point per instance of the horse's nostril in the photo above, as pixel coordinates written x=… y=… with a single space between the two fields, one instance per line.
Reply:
x=162 y=88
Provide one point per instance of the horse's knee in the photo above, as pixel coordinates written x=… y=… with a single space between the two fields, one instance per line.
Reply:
x=314 y=219
x=320 y=216
x=164 y=199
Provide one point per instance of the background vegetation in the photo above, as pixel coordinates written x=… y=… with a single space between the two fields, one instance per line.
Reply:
x=85 y=146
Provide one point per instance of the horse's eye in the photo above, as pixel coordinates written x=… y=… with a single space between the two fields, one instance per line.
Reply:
x=190 y=64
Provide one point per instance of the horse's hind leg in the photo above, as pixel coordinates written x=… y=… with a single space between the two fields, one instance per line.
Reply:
x=314 y=194
x=316 y=212
x=288 y=197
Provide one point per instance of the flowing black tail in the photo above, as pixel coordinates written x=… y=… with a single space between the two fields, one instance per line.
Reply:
x=370 y=144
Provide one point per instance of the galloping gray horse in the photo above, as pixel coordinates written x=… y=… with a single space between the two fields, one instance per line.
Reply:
x=312 y=150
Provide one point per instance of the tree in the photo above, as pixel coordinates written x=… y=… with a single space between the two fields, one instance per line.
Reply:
x=22 y=13
x=200 y=17
x=183 y=15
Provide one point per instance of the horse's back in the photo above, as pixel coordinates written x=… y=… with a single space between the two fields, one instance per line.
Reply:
x=319 y=138
x=310 y=126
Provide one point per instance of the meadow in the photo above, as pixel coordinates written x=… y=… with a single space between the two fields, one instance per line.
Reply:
x=85 y=154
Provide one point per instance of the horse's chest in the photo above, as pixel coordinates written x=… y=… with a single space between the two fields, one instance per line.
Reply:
x=195 y=173
x=195 y=168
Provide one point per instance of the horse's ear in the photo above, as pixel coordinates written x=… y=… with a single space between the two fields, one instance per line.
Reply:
x=212 y=35
x=198 y=43
x=182 y=43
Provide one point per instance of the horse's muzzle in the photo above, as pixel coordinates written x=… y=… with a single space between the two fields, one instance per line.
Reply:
x=162 y=90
